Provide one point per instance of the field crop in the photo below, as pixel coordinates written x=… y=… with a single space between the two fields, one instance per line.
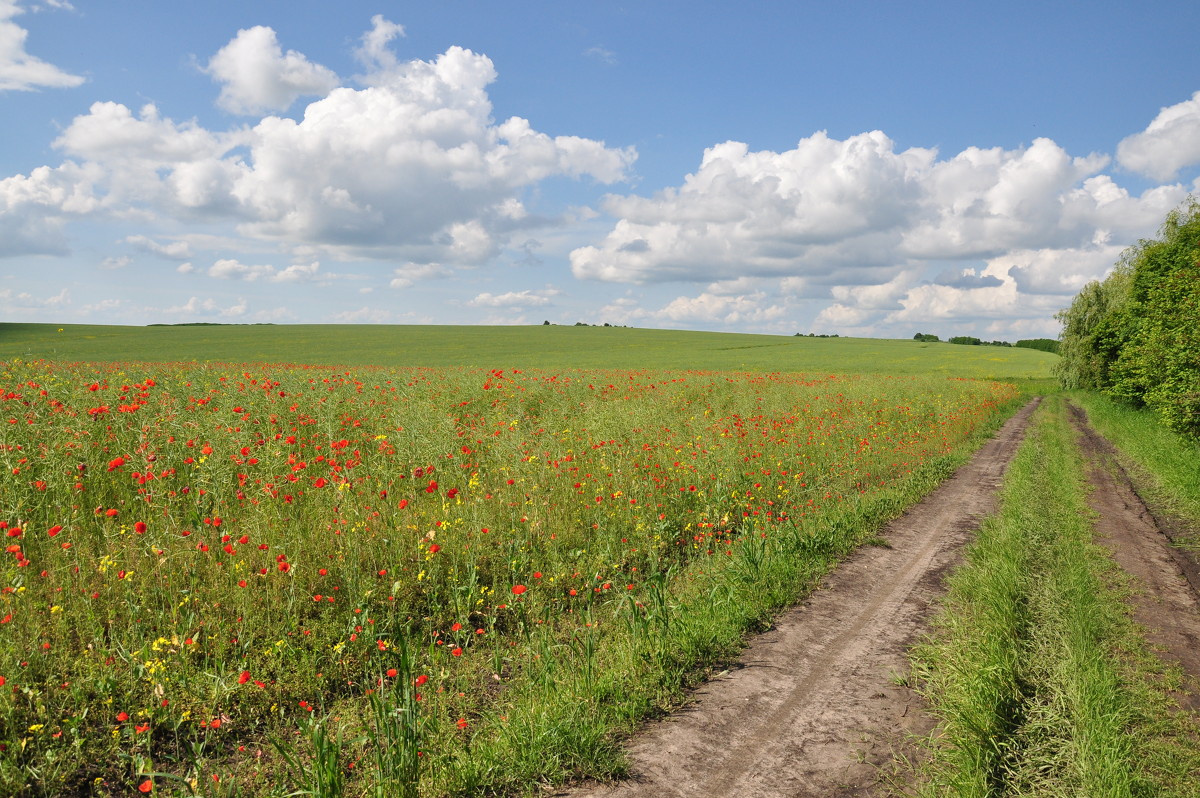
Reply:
x=262 y=579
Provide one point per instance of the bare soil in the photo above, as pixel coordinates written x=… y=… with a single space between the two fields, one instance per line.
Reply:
x=818 y=705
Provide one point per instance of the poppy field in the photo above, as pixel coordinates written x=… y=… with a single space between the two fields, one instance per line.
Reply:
x=281 y=579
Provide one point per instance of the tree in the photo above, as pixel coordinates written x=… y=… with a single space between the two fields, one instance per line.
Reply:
x=1136 y=335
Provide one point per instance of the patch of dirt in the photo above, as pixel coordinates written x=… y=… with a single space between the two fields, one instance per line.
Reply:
x=817 y=706
x=1166 y=578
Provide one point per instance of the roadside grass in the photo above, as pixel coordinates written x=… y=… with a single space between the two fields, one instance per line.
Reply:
x=1042 y=683
x=1166 y=466
x=523 y=347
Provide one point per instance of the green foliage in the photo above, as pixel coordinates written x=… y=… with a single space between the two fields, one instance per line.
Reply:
x=928 y=338
x=967 y=340
x=1136 y=335
x=1040 y=344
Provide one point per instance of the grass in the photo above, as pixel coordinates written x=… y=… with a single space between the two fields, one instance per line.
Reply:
x=271 y=580
x=1166 y=466
x=546 y=347
x=1042 y=683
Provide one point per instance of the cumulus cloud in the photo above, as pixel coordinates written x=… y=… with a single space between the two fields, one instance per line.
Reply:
x=363 y=315
x=1169 y=143
x=881 y=237
x=196 y=307
x=373 y=52
x=176 y=250
x=20 y=302
x=515 y=299
x=410 y=167
x=983 y=202
x=34 y=209
x=232 y=269
x=20 y=71
x=758 y=213
x=257 y=76
x=410 y=274
x=721 y=309
x=153 y=164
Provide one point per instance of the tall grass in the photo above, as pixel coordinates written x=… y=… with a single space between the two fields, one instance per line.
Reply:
x=1167 y=464
x=278 y=579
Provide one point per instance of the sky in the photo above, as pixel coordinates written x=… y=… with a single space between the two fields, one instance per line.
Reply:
x=860 y=168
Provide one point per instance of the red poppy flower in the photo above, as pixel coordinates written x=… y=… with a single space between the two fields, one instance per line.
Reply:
x=122 y=716
x=244 y=677
x=519 y=589
x=146 y=786
x=457 y=652
x=391 y=672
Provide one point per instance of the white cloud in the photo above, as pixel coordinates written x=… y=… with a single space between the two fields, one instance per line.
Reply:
x=601 y=54
x=198 y=308
x=257 y=76
x=232 y=269
x=153 y=164
x=412 y=167
x=412 y=273
x=515 y=299
x=373 y=53
x=34 y=210
x=710 y=309
x=20 y=71
x=759 y=213
x=364 y=315
x=20 y=302
x=176 y=250
x=983 y=202
x=116 y=262
x=1169 y=143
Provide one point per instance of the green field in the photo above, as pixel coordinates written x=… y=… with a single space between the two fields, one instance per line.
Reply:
x=546 y=347
x=457 y=562
x=431 y=561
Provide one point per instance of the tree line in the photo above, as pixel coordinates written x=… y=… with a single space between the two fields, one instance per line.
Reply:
x=1135 y=336
x=1043 y=344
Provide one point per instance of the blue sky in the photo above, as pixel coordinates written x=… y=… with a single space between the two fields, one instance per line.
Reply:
x=874 y=169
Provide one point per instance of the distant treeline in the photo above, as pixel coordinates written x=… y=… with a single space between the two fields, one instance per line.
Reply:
x=213 y=324
x=1043 y=344
x=1136 y=335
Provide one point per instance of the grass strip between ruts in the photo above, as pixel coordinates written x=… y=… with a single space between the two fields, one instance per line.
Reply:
x=1041 y=682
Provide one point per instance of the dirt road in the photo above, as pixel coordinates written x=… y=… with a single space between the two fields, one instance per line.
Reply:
x=1166 y=579
x=813 y=708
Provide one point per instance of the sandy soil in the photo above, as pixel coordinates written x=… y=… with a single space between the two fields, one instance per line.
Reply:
x=815 y=706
